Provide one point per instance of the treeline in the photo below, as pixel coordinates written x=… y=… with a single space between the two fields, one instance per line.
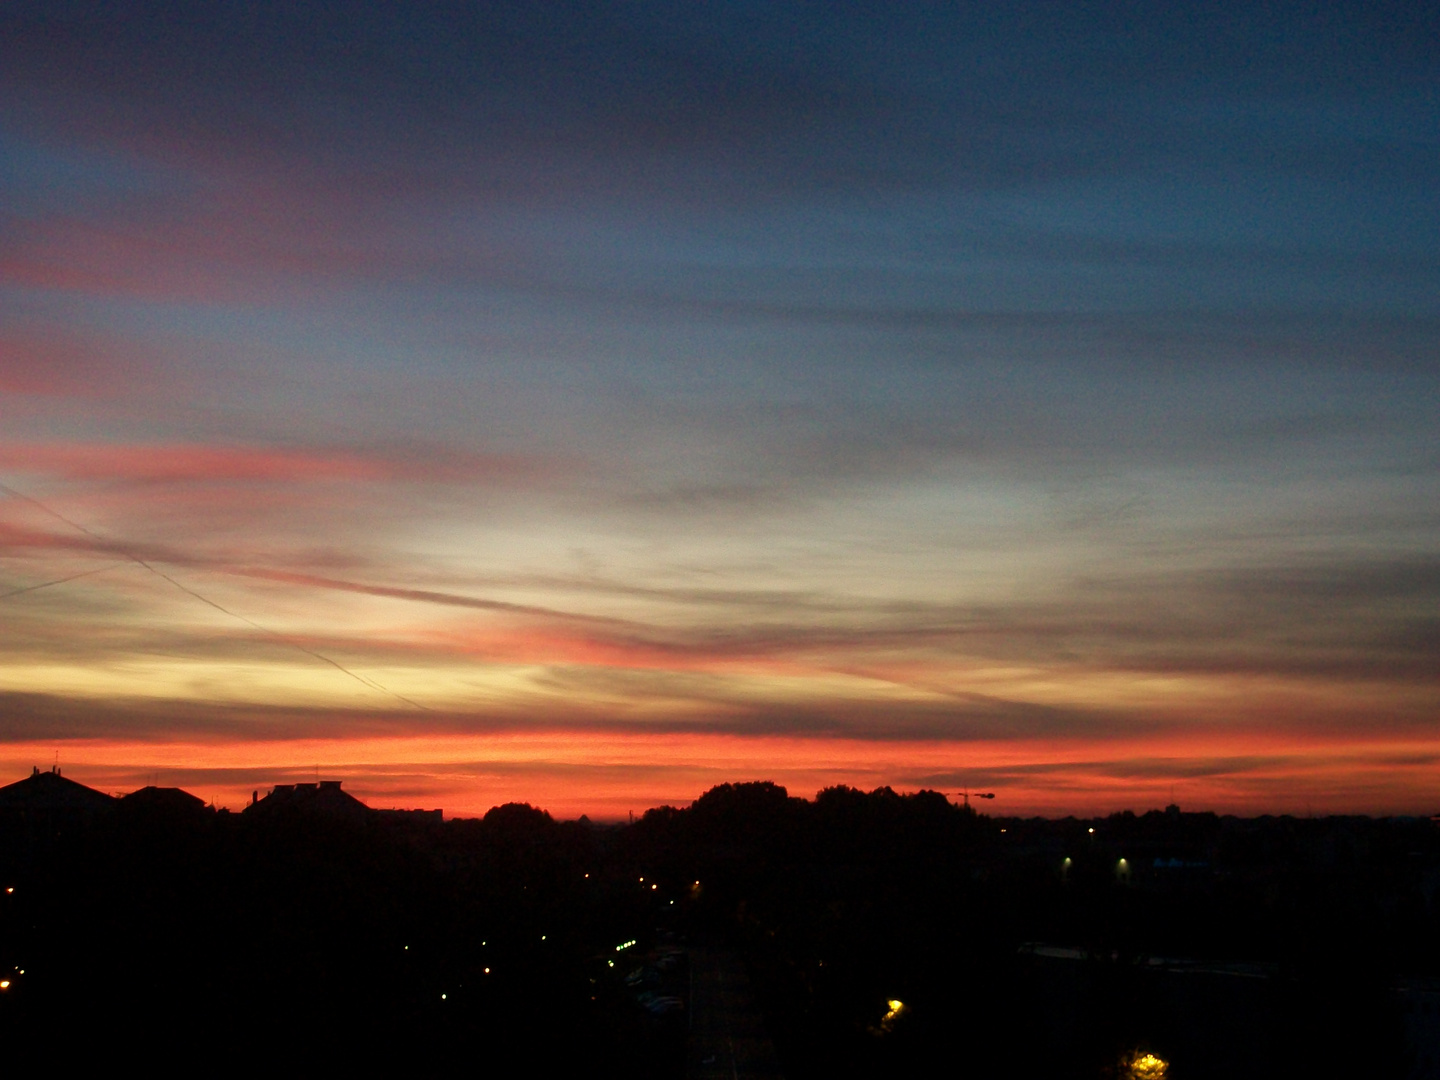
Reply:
x=1263 y=947
x=304 y=937
x=1259 y=947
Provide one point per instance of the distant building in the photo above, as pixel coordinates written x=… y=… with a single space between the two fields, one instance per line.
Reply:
x=170 y=802
x=49 y=793
x=419 y=817
x=45 y=806
x=324 y=799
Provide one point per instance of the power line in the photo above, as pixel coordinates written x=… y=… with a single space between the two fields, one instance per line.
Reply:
x=363 y=680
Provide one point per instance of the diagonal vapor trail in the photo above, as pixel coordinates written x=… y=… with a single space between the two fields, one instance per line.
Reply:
x=58 y=581
x=363 y=680
x=430 y=596
x=99 y=544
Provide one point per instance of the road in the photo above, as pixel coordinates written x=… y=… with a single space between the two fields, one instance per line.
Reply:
x=727 y=1036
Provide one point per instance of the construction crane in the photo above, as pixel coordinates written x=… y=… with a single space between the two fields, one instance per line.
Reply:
x=967 y=794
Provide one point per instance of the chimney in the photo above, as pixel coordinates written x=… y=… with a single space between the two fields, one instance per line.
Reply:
x=254 y=797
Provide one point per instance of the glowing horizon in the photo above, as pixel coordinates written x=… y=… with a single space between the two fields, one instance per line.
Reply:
x=609 y=778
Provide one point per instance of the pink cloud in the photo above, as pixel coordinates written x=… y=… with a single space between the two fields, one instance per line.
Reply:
x=205 y=463
x=253 y=240
x=561 y=644
x=55 y=361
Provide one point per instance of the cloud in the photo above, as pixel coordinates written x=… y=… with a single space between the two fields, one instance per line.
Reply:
x=728 y=100
x=220 y=464
x=1324 y=621
x=42 y=358
x=862 y=375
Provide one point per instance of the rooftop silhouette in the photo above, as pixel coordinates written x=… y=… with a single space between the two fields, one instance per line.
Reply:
x=50 y=791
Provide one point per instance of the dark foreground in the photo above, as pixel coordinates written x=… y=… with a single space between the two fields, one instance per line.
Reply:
x=753 y=934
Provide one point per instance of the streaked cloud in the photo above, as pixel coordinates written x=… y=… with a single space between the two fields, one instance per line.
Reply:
x=1035 y=398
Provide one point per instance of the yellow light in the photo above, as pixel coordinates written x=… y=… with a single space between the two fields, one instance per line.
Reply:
x=442 y=997
x=897 y=1007
x=1091 y=829
x=487 y=971
x=10 y=889
x=1146 y=1067
x=654 y=886
x=4 y=984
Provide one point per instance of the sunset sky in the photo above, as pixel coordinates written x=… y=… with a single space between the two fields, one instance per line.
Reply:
x=585 y=404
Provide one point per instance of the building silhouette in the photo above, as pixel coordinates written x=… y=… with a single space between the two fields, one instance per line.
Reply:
x=324 y=799
x=50 y=792
x=168 y=802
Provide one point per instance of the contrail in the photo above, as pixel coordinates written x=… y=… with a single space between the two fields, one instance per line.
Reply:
x=8 y=490
x=361 y=679
x=430 y=596
x=58 y=581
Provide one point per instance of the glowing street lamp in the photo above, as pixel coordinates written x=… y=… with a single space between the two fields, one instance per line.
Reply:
x=1145 y=1067
x=897 y=1009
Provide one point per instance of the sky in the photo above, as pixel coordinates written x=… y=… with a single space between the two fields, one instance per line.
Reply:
x=585 y=404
